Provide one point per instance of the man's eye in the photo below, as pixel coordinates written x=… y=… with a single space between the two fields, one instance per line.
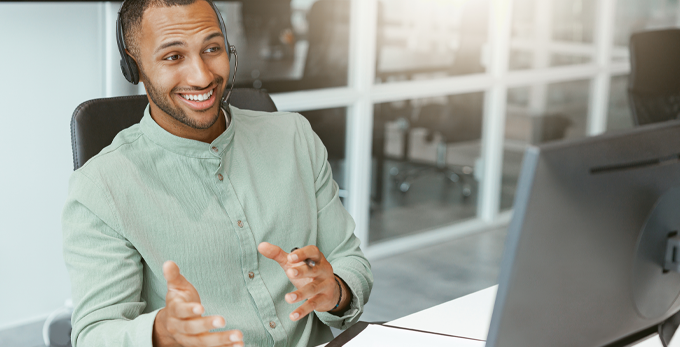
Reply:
x=172 y=57
x=212 y=49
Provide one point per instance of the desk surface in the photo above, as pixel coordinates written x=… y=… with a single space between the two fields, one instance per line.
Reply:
x=470 y=316
x=467 y=316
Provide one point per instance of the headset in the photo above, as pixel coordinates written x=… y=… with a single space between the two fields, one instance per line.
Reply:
x=129 y=67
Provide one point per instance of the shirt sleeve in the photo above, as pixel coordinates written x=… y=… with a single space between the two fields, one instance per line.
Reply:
x=105 y=270
x=336 y=238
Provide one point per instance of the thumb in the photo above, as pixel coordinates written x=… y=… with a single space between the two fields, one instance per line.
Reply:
x=172 y=276
x=273 y=252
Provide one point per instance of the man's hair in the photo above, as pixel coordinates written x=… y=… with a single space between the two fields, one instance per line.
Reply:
x=131 y=19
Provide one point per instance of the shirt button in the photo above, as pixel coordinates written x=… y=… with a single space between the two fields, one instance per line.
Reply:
x=214 y=149
x=251 y=275
x=240 y=224
x=272 y=325
x=220 y=177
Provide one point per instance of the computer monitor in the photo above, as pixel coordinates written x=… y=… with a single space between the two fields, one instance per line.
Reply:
x=585 y=257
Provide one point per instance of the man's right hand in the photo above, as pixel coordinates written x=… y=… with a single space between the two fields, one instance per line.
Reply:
x=180 y=322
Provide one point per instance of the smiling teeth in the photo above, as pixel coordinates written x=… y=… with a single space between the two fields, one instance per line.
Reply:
x=198 y=97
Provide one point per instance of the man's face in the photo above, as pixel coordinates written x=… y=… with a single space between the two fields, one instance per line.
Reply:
x=184 y=63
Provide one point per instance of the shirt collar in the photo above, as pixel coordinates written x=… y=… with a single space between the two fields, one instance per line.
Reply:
x=183 y=146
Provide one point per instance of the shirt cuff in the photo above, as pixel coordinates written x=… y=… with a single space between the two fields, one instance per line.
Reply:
x=356 y=306
x=146 y=324
x=137 y=332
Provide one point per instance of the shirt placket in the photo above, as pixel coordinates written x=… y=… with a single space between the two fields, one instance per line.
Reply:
x=250 y=269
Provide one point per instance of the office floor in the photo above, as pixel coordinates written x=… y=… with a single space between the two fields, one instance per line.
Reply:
x=404 y=283
x=413 y=281
x=432 y=201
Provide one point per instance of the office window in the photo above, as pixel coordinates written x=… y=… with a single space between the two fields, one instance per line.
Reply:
x=573 y=20
x=536 y=115
x=289 y=45
x=548 y=33
x=425 y=39
x=424 y=155
x=619 y=115
x=518 y=135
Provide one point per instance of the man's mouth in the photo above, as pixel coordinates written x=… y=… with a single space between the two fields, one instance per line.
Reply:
x=198 y=97
x=199 y=101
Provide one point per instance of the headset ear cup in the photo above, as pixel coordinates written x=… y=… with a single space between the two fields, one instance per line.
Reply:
x=128 y=67
x=126 y=72
x=134 y=71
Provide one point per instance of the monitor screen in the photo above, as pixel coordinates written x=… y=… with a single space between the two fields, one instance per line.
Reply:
x=589 y=259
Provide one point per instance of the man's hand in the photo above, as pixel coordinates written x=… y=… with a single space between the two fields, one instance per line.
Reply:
x=180 y=322
x=315 y=284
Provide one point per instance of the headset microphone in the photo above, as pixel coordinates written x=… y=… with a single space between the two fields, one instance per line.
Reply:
x=129 y=68
x=232 y=50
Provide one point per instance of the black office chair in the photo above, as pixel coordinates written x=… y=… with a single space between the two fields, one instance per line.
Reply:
x=96 y=122
x=458 y=121
x=654 y=81
x=93 y=126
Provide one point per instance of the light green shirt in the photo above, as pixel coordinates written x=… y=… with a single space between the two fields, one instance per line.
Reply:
x=151 y=196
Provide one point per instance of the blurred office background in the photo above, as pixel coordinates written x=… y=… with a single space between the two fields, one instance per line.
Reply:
x=425 y=106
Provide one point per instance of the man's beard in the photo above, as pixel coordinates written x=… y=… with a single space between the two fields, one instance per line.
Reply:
x=159 y=97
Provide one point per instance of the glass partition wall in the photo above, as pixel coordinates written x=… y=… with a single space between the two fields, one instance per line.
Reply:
x=289 y=45
x=426 y=106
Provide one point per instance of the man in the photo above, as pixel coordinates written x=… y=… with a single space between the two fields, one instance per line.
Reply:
x=222 y=194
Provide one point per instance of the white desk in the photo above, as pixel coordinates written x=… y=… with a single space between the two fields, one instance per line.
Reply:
x=467 y=316
x=470 y=316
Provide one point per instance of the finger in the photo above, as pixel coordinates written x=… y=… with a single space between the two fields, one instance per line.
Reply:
x=273 y=252
x=173 y=277
x=311 y=289
x=309 y=306
x=178 y=307
x=196 y=326
x=222 y=338
x=301 y=270
x=304 y=253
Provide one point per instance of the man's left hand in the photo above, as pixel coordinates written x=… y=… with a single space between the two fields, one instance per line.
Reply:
x=316 y=284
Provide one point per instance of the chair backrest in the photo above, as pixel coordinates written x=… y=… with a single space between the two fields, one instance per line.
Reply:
x=654 y=82
x=96 y=122
x=549 y=128
x=459 y=120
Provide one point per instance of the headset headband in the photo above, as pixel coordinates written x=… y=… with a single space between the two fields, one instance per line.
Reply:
x=129 y=68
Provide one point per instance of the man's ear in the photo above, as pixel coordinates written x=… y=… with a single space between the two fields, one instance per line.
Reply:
x=133 y=58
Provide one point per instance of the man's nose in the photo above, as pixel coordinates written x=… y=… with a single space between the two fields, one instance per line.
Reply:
x=199 y=75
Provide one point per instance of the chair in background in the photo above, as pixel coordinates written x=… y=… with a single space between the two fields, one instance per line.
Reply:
x=459 y=121
x=549 y=128
x=384 y=114
x=654 y=82
x=93 y=126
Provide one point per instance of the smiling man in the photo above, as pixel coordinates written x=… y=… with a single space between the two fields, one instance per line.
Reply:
x=216 y=191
